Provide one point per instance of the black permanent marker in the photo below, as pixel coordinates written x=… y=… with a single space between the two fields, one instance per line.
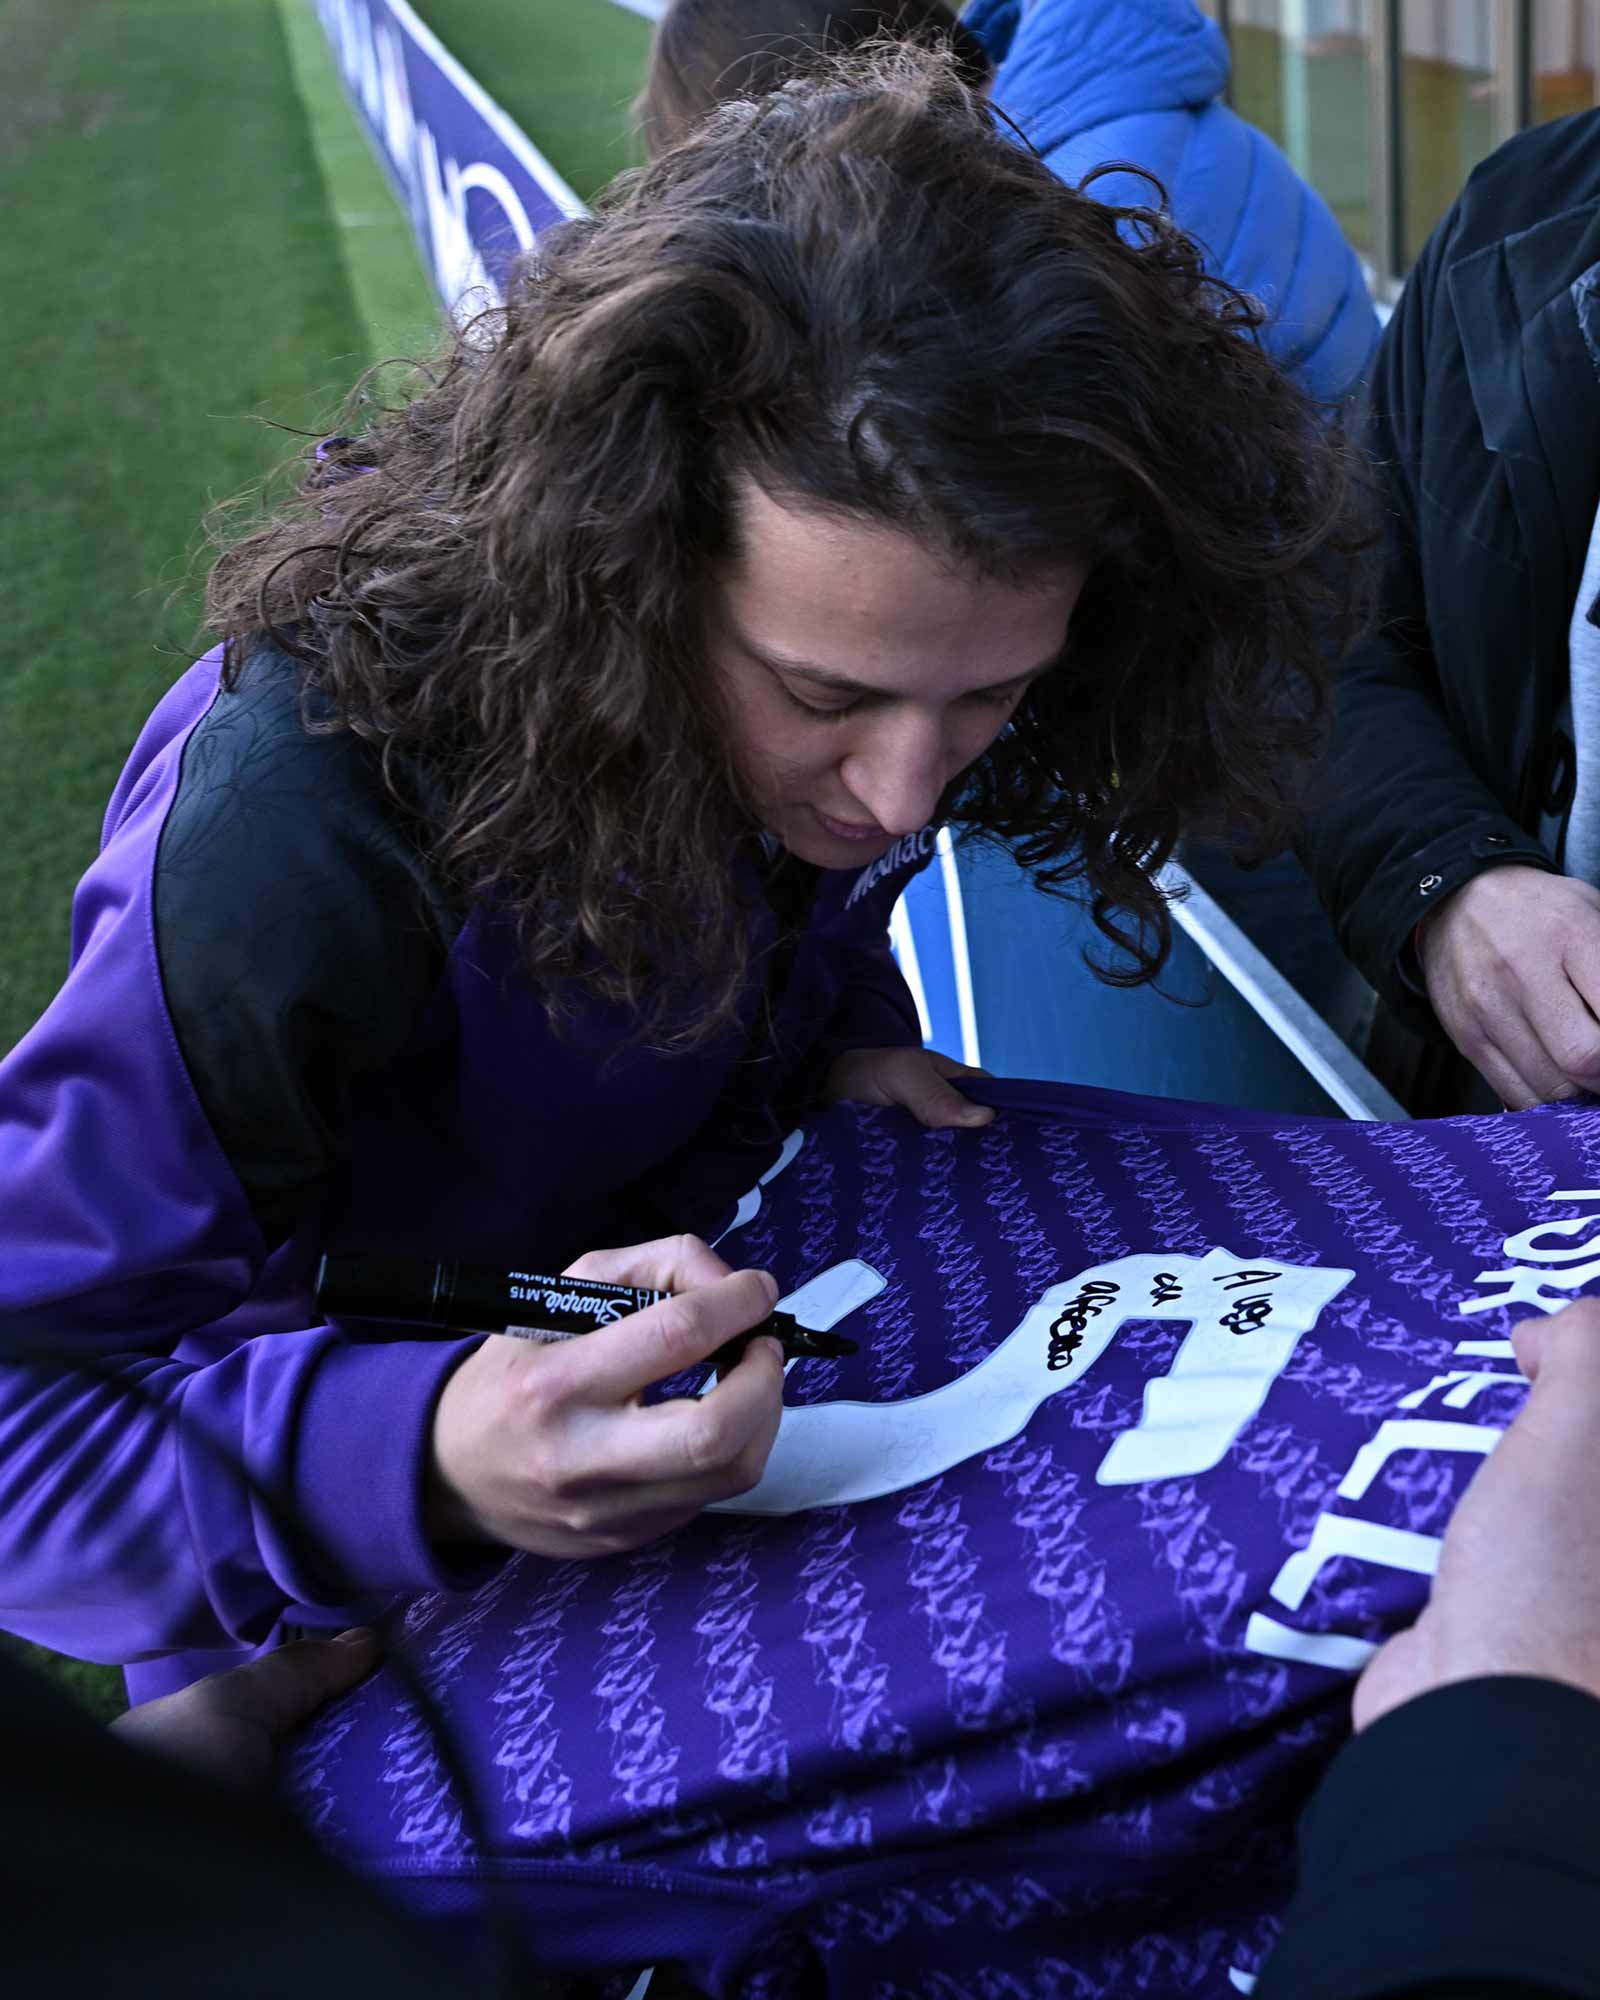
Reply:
x=486 y=1298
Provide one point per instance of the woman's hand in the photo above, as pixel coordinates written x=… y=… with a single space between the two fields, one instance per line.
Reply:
x=228 y=1726
x=551 y=1449
x=912 y=1078
x=1518 y=1588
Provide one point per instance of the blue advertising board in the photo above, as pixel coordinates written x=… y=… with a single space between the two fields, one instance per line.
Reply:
x=477 y=189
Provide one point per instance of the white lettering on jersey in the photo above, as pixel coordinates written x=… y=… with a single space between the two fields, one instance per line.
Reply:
x=910 y=849
x=1245 y=1317
x=1545 y=1274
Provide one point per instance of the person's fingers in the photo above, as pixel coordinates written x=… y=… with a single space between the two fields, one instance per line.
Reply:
x=1517 y=1590
x=1545 y=1461
x=670 y=1264
x=1510 y=1081
x=1507 y=1051
x=282 y=1689
x=1579 y=1050
x=680 y=1454
x=1562 y=1353
x=948 y=1066
x=1495 y=962
x=917 y=1084
x=1568 y=1036
x=942 y=1108
x=914 y=1079
x=619 y=1362
x=1528 y=1342
x=726 y=1433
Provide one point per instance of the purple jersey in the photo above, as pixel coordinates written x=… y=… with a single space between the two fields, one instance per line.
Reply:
x=1011 y=1675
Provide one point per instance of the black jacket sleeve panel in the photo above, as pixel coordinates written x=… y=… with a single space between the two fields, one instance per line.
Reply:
x=1453 y=1850
x=299 y=931
x=1399 y=817
x=123 y=1878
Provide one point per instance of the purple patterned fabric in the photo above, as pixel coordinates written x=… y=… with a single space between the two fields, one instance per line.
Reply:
x=1173 y=1405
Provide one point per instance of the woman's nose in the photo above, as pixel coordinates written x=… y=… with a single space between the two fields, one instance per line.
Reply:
x=898 y=775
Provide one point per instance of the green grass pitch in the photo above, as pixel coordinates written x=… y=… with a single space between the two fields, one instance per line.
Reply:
x=177 y=279
x=567 y=73
x=199 y=247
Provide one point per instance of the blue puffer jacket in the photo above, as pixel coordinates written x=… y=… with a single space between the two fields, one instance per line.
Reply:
x=1090 y=81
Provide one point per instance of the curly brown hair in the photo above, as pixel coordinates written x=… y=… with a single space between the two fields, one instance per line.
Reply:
x=862 y=294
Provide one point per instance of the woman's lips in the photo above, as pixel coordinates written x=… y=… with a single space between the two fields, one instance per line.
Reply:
x=843 y=830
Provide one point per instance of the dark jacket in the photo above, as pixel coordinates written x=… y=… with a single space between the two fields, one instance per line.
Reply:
x=1485 y=419
x=1452 y=1852
x=123 y=1877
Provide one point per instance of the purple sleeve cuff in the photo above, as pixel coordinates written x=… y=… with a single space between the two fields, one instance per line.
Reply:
x=360 y=1461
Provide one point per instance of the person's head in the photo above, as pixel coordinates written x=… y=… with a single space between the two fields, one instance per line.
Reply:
x=862 y=669
x=845 y=404
x=705 y=52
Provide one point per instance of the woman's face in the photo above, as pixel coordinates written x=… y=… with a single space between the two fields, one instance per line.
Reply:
x=861 y=673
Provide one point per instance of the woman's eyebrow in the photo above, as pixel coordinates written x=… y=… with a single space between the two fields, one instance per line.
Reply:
x=836 y=683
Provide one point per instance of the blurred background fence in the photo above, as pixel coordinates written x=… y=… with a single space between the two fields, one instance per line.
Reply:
x=1386 y=105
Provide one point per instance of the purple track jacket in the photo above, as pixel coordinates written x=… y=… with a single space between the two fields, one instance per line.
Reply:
x=278 y=1036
